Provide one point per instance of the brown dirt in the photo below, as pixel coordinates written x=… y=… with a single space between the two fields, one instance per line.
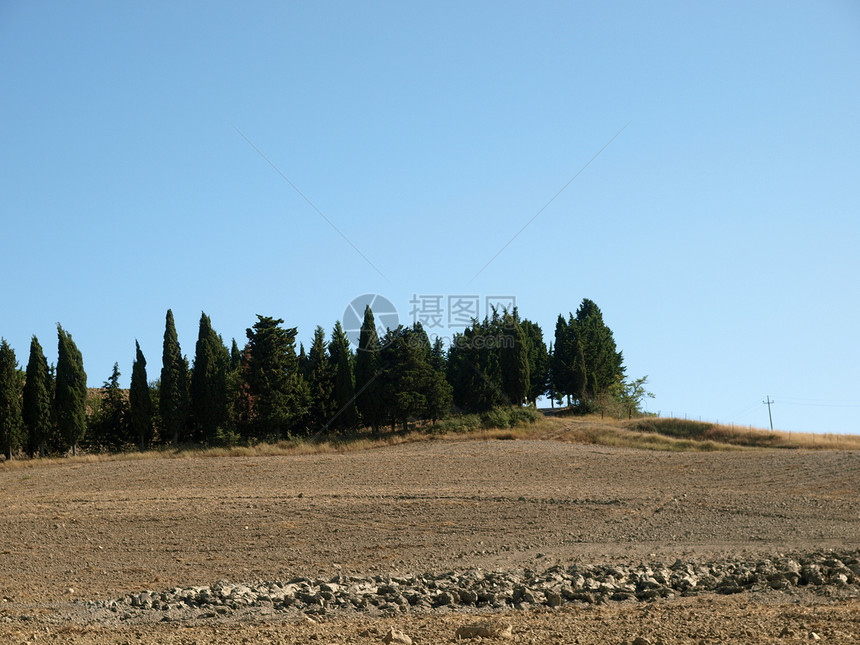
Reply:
x=101 y=530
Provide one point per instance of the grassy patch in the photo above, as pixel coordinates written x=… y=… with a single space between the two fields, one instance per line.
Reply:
x=740 y=436
x=649 y=433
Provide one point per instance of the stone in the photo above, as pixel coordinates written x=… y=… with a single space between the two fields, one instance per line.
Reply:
x=553 y=598
x=396 y=636
x=487 y=629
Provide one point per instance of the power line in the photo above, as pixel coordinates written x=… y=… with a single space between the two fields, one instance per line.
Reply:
x=769 y=403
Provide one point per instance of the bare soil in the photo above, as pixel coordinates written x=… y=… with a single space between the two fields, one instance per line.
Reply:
x=85 y=531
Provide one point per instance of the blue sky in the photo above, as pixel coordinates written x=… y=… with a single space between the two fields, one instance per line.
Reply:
x=718 y=232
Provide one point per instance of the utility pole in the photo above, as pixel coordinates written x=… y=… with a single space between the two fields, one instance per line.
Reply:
x=769 y=415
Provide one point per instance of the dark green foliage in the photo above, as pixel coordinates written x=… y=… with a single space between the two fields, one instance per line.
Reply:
x=501 y=417
x=70 y=399
x=438 y=359
x=11 y=423
x=514 y=360
x=341 y=360
x=173 y=394
x=266 y=392
x=475 y=365
x=140 y=402
x=568 y=373
x=235 y=357
x=538 y=361
x=368 y=372
x=604 y=364
x=209 y=403
x=37 y=410
x=412 y=388
x=320 y=378
x=585 y=363
x=109 y=424
x=278 y=397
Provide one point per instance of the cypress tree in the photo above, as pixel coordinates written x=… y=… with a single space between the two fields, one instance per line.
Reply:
x=173 y=394
x=412 y=387
x=209 y=382
x=562 y=359
x=277 y=396
x=235 y=357
x=110 y=423
x=538 y=361
x=604 y=365
x=70 y=400
x=320 y=377
x=437 y=355
x=439 y=393
x=341 y=360
x=10 y=401
x=368 y=372
x=514 y=359
x=37 y=400
x=140 y=401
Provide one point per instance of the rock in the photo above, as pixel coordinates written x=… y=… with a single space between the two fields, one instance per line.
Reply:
x=485 y=630
x=396 y=636
x=553 y=598
x=814 y=637
x=444 y=598
x=639 y=640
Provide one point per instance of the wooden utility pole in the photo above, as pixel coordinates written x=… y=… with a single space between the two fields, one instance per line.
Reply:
x=769 y=415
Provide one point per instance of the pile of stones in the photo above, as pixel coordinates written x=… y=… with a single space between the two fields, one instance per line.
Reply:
x=555 y=586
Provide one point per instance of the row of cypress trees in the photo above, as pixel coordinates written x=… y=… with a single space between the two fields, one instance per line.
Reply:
x=42 y=403
x=268 y=390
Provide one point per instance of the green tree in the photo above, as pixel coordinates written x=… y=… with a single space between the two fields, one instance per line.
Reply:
x=633 y=395
x=412 y=387
x=604 y=364
x=474 y=368
x=567 y=363
x=140 y=401
x=37 y=407
x=320 y=378
x=438 y=359
x=368 y=373
x=209 y=403
x=10 y=401
x=341 y=360
x=277 y=393
x=173 y=393
x=538 y=361
x=70 y=400
x=235 y=357
x=513 y=359
x=110 y=423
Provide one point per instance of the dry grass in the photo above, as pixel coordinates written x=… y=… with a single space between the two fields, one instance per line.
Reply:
x=741 y=436
x=647 y=433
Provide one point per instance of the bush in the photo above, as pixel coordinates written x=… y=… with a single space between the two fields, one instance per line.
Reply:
x=458 y=423
x=509 y=417
x=679 y=428
x=226 y=438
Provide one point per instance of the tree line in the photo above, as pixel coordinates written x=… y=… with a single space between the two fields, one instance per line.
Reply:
x=268 y=390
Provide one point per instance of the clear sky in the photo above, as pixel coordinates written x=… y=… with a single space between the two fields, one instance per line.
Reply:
x=147 y=152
